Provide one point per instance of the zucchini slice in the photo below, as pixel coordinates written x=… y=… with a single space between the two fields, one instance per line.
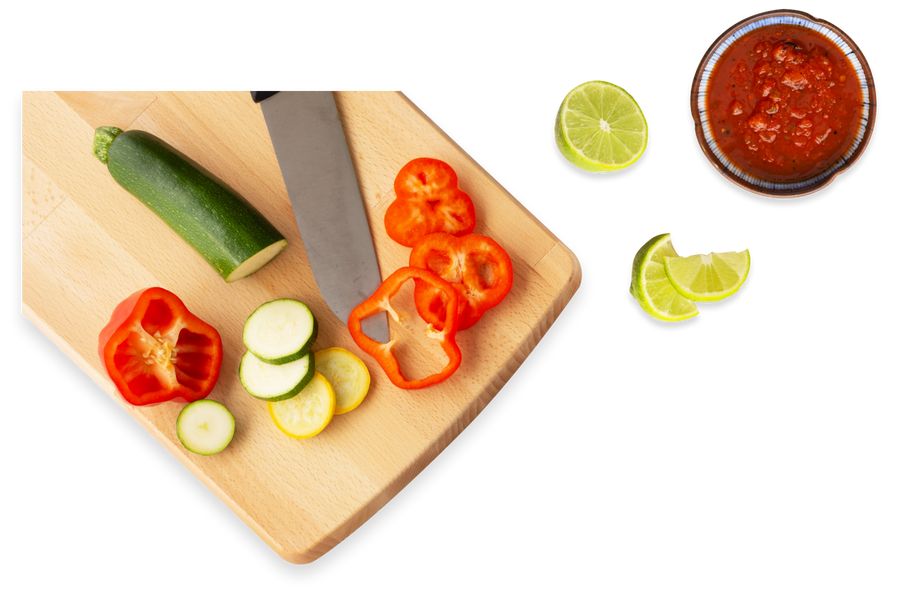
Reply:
x=307 y=413
x=275 y=382
x=227 y=231
x=281 y=331
x=347 y=374
x=205 y=427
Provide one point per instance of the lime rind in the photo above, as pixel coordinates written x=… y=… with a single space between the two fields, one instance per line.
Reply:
x=708 y=277
x=600 y=127
x=650 y=285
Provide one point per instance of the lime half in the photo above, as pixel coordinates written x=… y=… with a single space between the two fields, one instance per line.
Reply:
x=651 y=287
x=599 y=127
x=708 y=277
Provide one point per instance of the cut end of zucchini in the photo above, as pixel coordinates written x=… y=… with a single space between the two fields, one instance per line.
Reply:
x=256 y=262
x=205 y=427
x=103 y=137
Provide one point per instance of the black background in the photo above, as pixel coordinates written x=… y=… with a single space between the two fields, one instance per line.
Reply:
x=623 y=446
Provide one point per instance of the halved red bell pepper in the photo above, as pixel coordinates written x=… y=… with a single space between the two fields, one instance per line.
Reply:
x=155 y=350
x=428 y=200
x=381 y=300
x=475 y=265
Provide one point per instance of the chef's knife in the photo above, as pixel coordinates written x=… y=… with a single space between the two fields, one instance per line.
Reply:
x=315 y=163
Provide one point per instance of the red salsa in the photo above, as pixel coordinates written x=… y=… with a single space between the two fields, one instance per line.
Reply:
x=783 y=103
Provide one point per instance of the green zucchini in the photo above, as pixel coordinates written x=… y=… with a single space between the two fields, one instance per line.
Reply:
x=205 y=427
x=275 y=382
x=281 y=331
x=227 y=231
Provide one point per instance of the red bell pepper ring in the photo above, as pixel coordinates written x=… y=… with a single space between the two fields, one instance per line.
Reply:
x=475 y=265
x=383 y=353
x=155 y=350
x=428 y=200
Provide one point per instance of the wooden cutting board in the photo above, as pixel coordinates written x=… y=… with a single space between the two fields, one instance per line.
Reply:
x=88 y=244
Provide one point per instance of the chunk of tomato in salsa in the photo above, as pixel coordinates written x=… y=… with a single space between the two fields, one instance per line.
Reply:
x=784 y=102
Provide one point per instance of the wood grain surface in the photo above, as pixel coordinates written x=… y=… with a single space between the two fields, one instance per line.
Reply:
x=88 y=244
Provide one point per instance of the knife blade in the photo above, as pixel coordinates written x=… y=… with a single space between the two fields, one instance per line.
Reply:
x=309 y=141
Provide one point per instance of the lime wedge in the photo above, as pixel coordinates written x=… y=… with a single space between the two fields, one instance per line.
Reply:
x=599 y=127
x=708 y=277
x=651 y=287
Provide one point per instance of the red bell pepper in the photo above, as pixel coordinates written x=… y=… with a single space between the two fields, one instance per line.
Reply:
x=428 y=200
x=381 y=300
x=475 y=265
x=155 y=350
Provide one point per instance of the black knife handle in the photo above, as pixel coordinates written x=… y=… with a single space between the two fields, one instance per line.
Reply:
x=260 y=96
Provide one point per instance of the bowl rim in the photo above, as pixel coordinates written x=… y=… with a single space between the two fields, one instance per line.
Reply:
x=816 y=185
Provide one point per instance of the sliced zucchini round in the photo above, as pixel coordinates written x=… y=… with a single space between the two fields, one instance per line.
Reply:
x=205 y=427
x=281 y=331
x=347 y=374
x=307 y=413
x=275 y=382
